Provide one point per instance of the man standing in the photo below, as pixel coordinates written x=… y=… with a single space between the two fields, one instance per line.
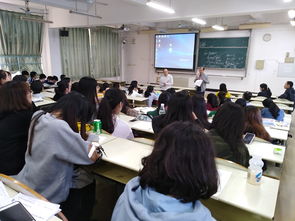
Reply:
x=200 y=81
x=166 y=80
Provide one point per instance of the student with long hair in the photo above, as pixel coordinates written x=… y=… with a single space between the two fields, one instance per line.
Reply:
x=89 y=88
x=54 y=147
x=63 y=88
x=127 y=109
x=133 y=90
x=227 y=133
x=222 y=88
x=200 y=110
x=253 y=123
x=178 y=173
x=109 y=108
x=163 y=99
x=264 y=91
x=222 y=98
x=150 y=94
x=271 y=110
x=15 y=117
x=212 y=102
x=180 y=108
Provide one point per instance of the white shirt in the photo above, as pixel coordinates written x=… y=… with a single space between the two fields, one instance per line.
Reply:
x=122 y=129
x=135 y=94
x=152 y=97
x=168 y=80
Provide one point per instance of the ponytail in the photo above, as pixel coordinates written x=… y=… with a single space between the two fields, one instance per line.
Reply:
x=273 y=108
x=268 y=92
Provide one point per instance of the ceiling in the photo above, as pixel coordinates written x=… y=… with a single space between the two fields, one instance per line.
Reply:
x=137 y=15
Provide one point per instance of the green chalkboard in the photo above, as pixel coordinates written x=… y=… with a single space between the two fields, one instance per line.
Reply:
x=226 y=53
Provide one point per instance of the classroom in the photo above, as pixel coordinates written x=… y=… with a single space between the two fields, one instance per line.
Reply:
x=147 y=110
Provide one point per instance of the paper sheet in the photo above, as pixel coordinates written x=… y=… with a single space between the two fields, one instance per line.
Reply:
x=223 y=179
x=198 y=83
x=4 y=197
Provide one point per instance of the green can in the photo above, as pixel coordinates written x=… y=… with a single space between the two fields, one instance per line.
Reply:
x=97 y=126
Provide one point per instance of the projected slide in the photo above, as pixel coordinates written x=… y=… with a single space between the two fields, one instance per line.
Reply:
x=175 y=51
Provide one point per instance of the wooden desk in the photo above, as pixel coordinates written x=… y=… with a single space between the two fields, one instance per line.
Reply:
x=277 y=134
x=283 y=101
x=47 y=94
x=257 y=202
x=281 y=106
x=265 y=150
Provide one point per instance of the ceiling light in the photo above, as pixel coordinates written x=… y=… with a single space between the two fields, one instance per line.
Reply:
x=160 y=7
x=199 y=21
x=292 y=22
x=218 y=27
x=291 y=13
x=86 y=14
x=287 y=1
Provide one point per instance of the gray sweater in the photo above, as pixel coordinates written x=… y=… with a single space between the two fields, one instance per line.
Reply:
x=205 y=79
x=55 y=150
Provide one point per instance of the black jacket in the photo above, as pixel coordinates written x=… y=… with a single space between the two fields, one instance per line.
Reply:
x=14 y=129
x=289 y=94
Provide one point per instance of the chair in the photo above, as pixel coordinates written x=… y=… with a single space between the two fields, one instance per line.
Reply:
x=22 y=188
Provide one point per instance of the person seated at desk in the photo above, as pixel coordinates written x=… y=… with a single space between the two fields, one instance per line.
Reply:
x=166 y=80
x=126 y=109
x=212 y=102
x=200 y=110
x=247 y=96
x=42 y=78
x=289 y=93
x=271 y=110
x=109 y=108
x=116 y=85
x=222 y=99
x=26 y=74
x=104 y=87
x=134 y=91
x=254 y=124
x=63 y=88
x=5 y=76
x=21 y=78
x=163 y=99
x=242 y=102
x=179 y=172
x=37 y=88
x=180 y=108
x=150 y=94
x=222 y=88
x=88 y=87
x=264 y=91
x=54 y=147
x=171 y=90
x=15 y=116
x=227 y=133
x=33 y=77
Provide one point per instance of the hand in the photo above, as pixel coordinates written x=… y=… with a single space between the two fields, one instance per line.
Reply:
x=95 y=156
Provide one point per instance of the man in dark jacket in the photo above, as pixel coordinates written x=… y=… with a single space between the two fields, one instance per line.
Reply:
x=289 y=93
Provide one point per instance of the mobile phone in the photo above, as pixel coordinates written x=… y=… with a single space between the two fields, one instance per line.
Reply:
x=15 y=212
x=133 y=120
x=248 y=138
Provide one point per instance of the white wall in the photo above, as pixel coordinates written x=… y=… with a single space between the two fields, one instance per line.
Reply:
x=139 y=59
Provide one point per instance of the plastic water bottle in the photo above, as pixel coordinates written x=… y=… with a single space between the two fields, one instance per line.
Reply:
x=162 y=109
x=255 y=170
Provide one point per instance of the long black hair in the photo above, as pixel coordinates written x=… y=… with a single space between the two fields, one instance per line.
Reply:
x=182 y=164
x=111 y=99
x=222 y=87
x=148 y=91
x=61 y=88
x=273 y=108
x=133 y=85
x=200 y=110
x=212 y=100
x=87 y=87
x=73 y=108
x=180 y=108
x=229 y=122
x=265 y=88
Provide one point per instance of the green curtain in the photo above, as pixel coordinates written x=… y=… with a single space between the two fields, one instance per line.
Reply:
x=105 y=50
x=21 y=42
x=75 y=53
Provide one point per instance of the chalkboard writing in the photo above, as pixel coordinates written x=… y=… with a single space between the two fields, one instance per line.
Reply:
x=226 y=53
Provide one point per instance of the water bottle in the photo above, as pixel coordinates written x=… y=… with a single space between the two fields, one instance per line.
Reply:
x=162 y=109
x=255 y=170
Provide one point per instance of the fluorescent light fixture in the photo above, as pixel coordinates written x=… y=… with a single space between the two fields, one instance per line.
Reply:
x=292 y=22
x=291 y=13
x=34 y=19
x=199 y=21
x=287 y=1
x=85 y=14
x=160 y=7
x=218 y=27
